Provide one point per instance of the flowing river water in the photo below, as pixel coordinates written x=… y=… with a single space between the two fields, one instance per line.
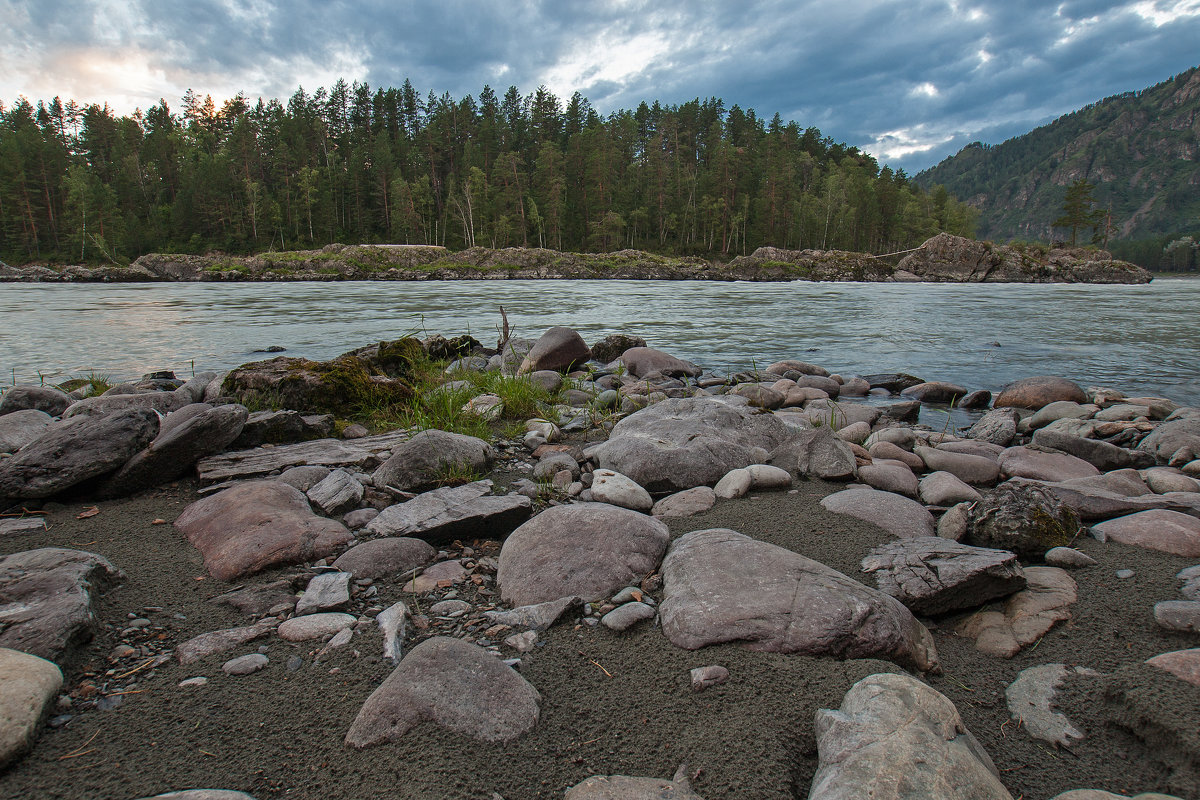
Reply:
x=1138 y=339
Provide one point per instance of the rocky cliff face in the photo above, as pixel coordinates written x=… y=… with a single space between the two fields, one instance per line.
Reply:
x=954 y=259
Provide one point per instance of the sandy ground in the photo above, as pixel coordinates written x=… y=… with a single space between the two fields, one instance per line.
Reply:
x=614 y=703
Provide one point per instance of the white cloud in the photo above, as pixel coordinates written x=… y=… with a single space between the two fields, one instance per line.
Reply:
x=1160 y=13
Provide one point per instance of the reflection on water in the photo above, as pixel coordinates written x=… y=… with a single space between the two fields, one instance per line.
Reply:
x=1138 y=339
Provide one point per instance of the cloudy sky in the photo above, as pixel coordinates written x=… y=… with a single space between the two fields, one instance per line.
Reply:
x=910 y=81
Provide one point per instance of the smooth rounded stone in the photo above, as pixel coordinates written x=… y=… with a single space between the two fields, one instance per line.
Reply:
x=801 y=395
x=355 y=431
x=736 y=483
x=627 y=615
x=970 y=447
x=976 y=470
x=1173 y=437
x=1030 y=696
x=359 y=518
x=245 y=665
x=72 y=451
x=935 y=392
x=895 y=738
x=686 y=503
x=722 y=586
x=314 y=626
x=557 y=349
x=19 y=428
x=1068 y=558
x=855 y=387
x=932 y=575
x=445 y=608
x=680 y=443
x=643 y=361
x=162 y=403
x=487 y=407
x=201 y=794
x=953 y=523
x=816 y=453
x=551 y=464
x=1060 y=409
x=27 y=397
x=623 y=787
x=1045 y=601
x=1162 y=480
x=894 y=452
x=547 y=430
x=1102 y=455
x=1025 y=462
x=48 y=603
x=792 y=365
x=1124 y=574
x=207 y=644
x=856 y=432
x=897 y=515
x=821 y=383
x=193 y=683
x=1027 y=519
x=304 y=478
x=765 y=477
x=998 y=426
x=326 y=591
x=1071 y=427
x=588 y=550
x=889 y=477
x=256 y=525
x=902 y=437
x=1178 y=615
x=1126 y=482
x=1183 y=664
x=1157 y=529
x=451 y=512
x=945 y=489
x=419 y=463
x=1035 y=393
x=840 y=415
x=442 y=573
x=380 y=558
x=1098 y=794
x=1123 y=412
x=705 y=677
x=337 y=493
x=1191 y=468
x=28 y=687
x=618 y=490
x=759 y=396
x=453 y=684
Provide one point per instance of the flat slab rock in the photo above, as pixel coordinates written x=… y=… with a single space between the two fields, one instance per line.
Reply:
x=588 y=550
x=46 y=602
x=379 y=558
x=1157 y=529
x=259 y=461
x=1183 y=664
x=1027 y=616
x=894 y=738
x=722 y=586
x=28 y=685
x=623 y=787
x=931 y=575
x=255 y=525
x=453 y=512
x=453 y=684
x=207 y=644
x=896 y=514
x=1031 y=696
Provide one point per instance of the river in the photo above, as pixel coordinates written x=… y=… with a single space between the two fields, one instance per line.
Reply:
x=1138 y=339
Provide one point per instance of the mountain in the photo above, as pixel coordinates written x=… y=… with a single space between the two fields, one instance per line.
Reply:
x=1140 y=149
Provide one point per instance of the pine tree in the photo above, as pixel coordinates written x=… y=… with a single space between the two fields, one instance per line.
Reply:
x=1078 y=209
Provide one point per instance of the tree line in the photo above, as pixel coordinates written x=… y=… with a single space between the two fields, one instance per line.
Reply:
x=356 y=165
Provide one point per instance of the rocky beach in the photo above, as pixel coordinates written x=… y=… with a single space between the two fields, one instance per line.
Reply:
x=430 y=568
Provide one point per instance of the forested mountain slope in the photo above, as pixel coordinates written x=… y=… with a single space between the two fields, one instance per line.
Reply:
x=1140 y=149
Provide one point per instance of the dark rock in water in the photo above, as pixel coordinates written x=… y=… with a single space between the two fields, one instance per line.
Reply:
x=722 y=586
x=453 y=684
x=931 y=575
x=613 y=346
x=935 y=392
x=894 y=382
x=48 y=599
x=19 y=428
x=255 y=525
x=1034 y=393
x=980 y=398
x=1025 y=518
x=74 y=450
x=558 y=349
x=272 y=349
x=47 y=399
x=431 y=456
x=907 y=411
x=642 y=361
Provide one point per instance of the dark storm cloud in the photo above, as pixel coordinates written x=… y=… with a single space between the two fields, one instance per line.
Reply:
x=909 y=81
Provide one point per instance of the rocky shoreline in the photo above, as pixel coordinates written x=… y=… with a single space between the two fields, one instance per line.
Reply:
x=775 y=578
x=943 y=258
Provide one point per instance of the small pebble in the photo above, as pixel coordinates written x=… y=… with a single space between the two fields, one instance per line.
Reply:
x=704 y=677
x=294 y=663
x=244 y=665
x=1124 y=573
x=198 y=681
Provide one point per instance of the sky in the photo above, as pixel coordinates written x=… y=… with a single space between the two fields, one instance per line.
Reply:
x=909 y=81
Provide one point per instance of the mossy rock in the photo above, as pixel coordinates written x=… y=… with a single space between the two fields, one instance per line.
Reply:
x=341 y=386
x=1025 y=518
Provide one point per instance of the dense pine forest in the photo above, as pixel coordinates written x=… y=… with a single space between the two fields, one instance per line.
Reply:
x=356 y=165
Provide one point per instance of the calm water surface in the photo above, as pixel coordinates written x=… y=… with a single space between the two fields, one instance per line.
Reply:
x=1133 y=338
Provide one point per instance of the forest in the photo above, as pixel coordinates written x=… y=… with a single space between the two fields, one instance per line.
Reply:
x=79 y=184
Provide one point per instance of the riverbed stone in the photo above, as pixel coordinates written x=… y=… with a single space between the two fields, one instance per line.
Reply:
x=687 y=503
x=1125 y=482
x=681 y=443
x=536 y=617
x=49 y=599
x=624 y=787
x=1045 y=601
x=935 y=392
x=336 y=493
x=1068 y=558
x=72 y=451
x=972 y=469
x=1037 y=392
x=1026 y=518
x=245 y=665
x=816 y=453
x=453 y=684
x=896 y=514
x=626 y=615
x=419 y=463
x=618 y=490
x=314 y=626
x=24 y=396
x=613 y=346
x=840 y=415
x=894 y=452
x=207 y=644
x=1183 y=664
x=28 y=686
x=896 y=738
x=326 y=591
x=380 y=558
x=891 y=476
x=1029 y=700
x=256 y=525
x=453 y=512
x=1158 y=529
x=1172 y=438
x=764 y=477
x=589 y=550
x=643 y=361
x=1102 y=455
x=722 y=586
x=945 y=489
x=1060 y=409
x=932 y=575
x=19 y=428
x=1026 y=462
x=736 y=483
x=998 y=426
x=1162 y=480
x=1092 y=504
x=557 y=349
x=953 y=523
x=161 y=402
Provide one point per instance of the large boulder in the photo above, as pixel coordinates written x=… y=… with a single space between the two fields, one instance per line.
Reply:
x=1101 y=455
x=589 y=550
x=72 y=451
x=47 y=399
x=931 y=575
x=1173 y=437
x=47 y=599
x=1034 y=393
x=558 y=349
x=1041 y=465
x=692 y=441
x=722 y=586
x=816 y=453
x=256 y=525
x=453 y=512
x=453 y=684
x=895 y=738
x=1025 y=518
x=380 y=558
x=432 y=456
x=19 y=428
x=642 y=361
x=161 y=402
x=28 y=685
x=1157 y=529
x=896 y=514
